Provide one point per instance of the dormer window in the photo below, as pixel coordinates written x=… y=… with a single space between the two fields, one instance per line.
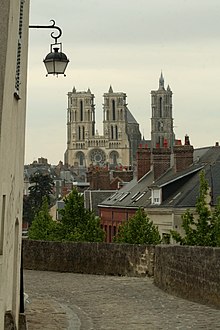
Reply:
x=156 y=196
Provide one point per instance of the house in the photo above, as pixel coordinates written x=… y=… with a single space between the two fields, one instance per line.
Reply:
x=14 y=16
x=165 y=199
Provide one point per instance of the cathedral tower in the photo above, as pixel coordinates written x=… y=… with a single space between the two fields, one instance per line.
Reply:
x=162 y=121
x=120 y=127
x=80 y=124
x=116 y=147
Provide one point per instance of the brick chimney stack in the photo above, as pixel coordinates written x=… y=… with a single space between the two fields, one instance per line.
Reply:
x=183 y=155
x=161 y=160
x=98 y=177
x=143 y=160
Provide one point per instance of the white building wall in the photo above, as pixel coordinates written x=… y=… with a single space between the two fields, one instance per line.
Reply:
x=12 y=130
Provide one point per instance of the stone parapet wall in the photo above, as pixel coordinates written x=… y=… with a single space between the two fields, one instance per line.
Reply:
x=89 y=258
x=190 y=272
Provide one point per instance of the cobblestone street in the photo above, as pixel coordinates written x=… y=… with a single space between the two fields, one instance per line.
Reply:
x=85 y=302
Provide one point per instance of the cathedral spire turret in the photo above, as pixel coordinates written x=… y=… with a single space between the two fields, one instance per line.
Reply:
x=110 y=89
x=161 y=81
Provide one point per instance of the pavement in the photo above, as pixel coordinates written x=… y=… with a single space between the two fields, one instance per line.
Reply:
x=95 y=302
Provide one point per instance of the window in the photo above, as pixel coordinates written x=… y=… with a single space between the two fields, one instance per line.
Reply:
x=156 y=196
x=81 y=110
x=123 y=196
x=141 y=195
x=110 y=233
x=112 y=132
x=161 y=106
x=135 y=195
x=113 y=110
x=2 y=224
x=116 y=132
x=114 y=231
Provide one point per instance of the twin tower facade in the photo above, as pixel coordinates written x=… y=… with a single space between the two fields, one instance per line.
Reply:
x=121 y=135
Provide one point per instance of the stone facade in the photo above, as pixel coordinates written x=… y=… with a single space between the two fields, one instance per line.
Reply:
x=119 y=142
x=14 y=15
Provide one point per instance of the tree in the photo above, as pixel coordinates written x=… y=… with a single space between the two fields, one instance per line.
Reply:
x=77 y=223
x=43 y=226
x=204 y=228
x=42 y=186
x=138 y=230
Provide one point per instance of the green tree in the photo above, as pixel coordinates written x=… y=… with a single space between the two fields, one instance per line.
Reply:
x=138 y=230
x=77 y=223
x=215 y=223
x=203 y=228
x=42 y=186
x=43 y=226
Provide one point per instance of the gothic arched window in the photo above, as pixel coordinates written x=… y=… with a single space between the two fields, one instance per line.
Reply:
x=113 y=110
x=81 y=158
x=81 y=110
x=121 y=114
x=112 y=132
x=79 y=133
x=116 y=132
x=161 y=107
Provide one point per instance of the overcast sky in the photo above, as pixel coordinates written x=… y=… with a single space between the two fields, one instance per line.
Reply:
x=126 y=44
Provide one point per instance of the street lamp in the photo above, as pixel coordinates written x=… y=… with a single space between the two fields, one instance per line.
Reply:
x=56 y=61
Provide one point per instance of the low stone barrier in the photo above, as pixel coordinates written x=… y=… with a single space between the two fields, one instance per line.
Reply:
x=89 y=258
x=189 y=271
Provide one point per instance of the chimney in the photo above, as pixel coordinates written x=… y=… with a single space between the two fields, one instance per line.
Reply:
x=161 y=160
x=143 y=161
x=187 y=142
x=98 y=178
x=183 y=155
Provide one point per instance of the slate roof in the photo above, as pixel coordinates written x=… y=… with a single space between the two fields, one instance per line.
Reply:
x=179 y=190
x=93 y=197
x=130 y=117
x=132 y=195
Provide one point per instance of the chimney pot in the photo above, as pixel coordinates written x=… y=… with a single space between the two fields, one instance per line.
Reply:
x=187 y=142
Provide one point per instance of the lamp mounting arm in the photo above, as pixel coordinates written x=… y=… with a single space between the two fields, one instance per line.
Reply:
x=52 y=26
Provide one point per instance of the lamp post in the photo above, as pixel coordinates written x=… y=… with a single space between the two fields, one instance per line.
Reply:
x=56 y=61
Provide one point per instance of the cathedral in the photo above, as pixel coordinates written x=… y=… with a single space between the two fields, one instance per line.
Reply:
x=121 y=141
x=121 y=135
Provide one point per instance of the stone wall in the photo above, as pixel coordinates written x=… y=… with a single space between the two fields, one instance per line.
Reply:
x=89 y=258
x=190 y=272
